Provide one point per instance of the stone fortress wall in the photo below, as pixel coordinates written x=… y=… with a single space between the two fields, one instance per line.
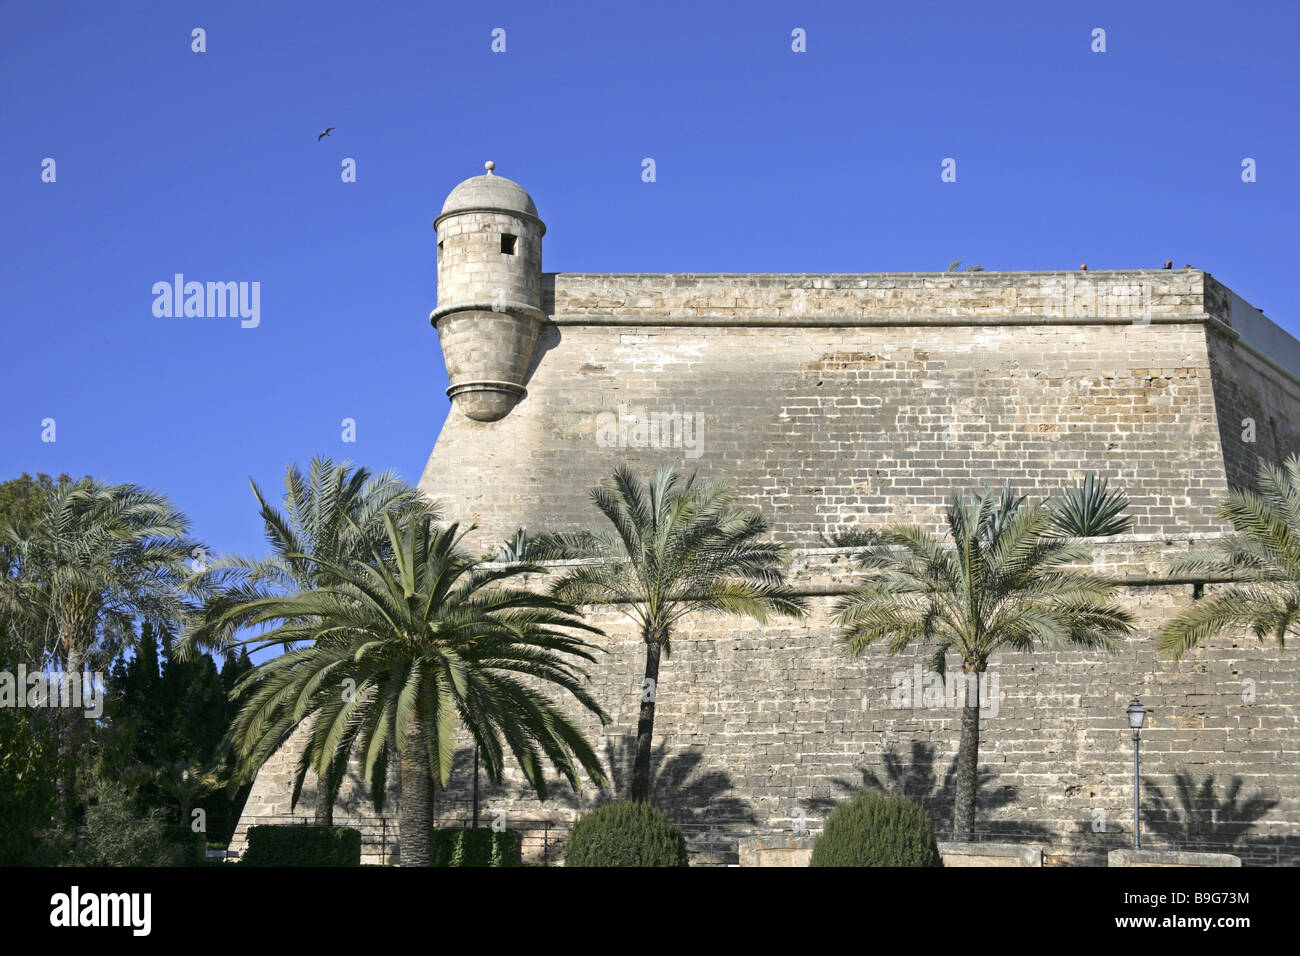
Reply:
x=836 y=402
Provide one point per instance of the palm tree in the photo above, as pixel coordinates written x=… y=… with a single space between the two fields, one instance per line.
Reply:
x=23 y=501
x=1003 y=580
x=1262 y=555
x=405 y=648
x=185 y=781
x=677 y=547
x=95 y=559
x=334 y=513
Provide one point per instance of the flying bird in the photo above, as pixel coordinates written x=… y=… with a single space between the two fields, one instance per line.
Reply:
x=328 y=130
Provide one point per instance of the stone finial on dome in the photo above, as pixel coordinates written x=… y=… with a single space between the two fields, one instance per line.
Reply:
x=489 y=166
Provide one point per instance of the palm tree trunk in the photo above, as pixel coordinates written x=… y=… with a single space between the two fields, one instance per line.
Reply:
x=646 y=725
x=70 y=739
x=324 y=802
x=963 y=814
x=415 y=816
x=327 y=792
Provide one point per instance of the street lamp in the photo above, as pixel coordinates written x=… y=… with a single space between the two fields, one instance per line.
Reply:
x=1136 y=715
x=475 y=823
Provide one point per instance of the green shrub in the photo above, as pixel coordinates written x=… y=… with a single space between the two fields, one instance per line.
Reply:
x=476 y=847
x=877 y=829
x=302 y=845
x=117 y=833
x=625 y=834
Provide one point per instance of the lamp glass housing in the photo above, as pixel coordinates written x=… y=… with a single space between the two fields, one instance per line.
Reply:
x=1136 y=714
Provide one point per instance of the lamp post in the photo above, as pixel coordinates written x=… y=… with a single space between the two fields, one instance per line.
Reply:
x=1136 y=715
x=476 y=787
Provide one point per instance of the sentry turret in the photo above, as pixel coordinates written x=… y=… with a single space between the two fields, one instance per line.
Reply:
x=489 y=293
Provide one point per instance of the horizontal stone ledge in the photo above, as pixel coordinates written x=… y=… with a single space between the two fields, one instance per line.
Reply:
x=782 y=849
x=990 y=854
x=511 y=308
x=493 y=210
x=485 y=385
x=1169 y=858
x=837 y=590
x=984 y=276
x=1122 y=546
x=649 y=317
x=1128 y=581
x=824 y=572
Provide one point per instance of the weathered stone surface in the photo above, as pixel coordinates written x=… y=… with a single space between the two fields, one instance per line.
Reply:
x=1169 y=858
x=990 y=854
x=834 y=402
x=778 y=850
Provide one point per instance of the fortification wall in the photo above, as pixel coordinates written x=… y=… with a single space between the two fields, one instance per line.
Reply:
x=857 y=401
x=765 y=729
x=869 y=400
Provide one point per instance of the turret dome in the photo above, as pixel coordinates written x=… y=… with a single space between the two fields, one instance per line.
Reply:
x=489 y=193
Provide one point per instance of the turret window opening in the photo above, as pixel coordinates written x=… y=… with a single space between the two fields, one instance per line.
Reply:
x=507 y=244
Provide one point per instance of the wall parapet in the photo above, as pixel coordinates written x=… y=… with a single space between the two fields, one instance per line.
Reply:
x=871 y=298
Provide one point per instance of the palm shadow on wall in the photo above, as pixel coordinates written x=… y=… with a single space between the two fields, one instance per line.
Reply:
x=1200 y=815
x=919 y=781
x=680 y=785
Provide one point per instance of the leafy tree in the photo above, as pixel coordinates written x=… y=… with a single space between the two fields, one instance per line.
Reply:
x=198 y=712
x=1003 y=580
x=137 y=713
x=332 y=516
x=174 y=712
x=119 y=833
x=28 y=783
x=678 y=547
x=23 y=499
x=1262 y=556
x=403 y=650
x=234 y=668
x=94 y=559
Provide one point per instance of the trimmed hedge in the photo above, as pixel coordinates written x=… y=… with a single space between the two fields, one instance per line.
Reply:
x=625 y=834
x=481 y=846
x=877 y=829
x=302 y=845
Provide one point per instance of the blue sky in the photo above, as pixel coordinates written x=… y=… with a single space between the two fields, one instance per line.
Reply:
x=767 y=160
